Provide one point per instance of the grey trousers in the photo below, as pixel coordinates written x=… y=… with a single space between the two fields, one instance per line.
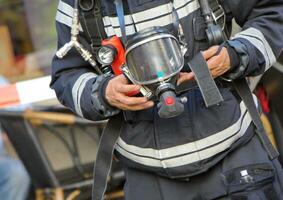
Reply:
x=245 y=174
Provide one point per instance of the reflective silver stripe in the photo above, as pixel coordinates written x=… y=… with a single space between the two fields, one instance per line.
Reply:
x=161 y=21
x=186 y=10
x=196 y=151
x=65 y=13
x=66 y=8
x=153 y=17
x=186 y=148
x=180 y=6
x=142 y=160
x=64 y=19
x=189 y=158
x=257 y=38
x=209 y=152
x=154 y=12
x=112 y=23
x=167 y=19
x=113 y=28
x=78 y=89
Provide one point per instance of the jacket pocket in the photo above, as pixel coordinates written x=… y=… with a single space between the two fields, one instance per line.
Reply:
x=251 y=182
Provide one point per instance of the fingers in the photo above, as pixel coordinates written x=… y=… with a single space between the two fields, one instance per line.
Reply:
x=130 y=103
x=143 y=106
x=116 y=95
x=185 y=77
x=210 y=52
x=130 y=100
x=219 y=64
x=122 y=79
x=125 y=88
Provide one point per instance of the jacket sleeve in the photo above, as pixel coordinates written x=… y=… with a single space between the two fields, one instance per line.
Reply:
x=260 y=42
x=76 y=84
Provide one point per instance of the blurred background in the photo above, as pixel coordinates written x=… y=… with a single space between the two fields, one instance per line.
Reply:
x=43 y=146
x=28 y=37
x=47 y=150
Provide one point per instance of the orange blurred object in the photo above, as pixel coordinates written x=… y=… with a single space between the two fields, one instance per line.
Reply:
x=119 y=61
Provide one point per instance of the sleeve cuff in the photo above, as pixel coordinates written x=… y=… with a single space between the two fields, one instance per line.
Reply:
x=234 y=57
x=239 y=59
x=102 y=91
x=98 y=97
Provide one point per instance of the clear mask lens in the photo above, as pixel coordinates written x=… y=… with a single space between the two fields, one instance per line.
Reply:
x=154 y=59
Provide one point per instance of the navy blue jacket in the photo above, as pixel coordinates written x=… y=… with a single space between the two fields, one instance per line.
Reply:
x=200 y=136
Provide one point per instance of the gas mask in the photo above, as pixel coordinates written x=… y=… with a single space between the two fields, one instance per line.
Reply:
x=153 y=59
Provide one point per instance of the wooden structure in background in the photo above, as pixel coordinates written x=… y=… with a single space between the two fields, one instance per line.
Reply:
x=7 y=59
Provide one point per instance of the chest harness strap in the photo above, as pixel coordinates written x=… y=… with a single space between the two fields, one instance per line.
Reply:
x=245 y=93
x=92 y=22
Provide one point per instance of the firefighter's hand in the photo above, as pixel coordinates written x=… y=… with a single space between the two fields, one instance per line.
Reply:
x=218 y=64
x=116 y=95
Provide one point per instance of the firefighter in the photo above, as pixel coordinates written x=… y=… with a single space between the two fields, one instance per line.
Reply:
x=204 y=153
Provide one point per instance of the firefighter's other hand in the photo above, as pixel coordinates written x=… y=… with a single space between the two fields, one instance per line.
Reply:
x=217 y=63
x=116 y=95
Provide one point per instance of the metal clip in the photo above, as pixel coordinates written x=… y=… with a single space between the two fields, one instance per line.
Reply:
x=215 y=19
x=86 y=55
x=144 y=90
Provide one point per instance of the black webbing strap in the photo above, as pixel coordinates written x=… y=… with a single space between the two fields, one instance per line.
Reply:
x=245 y=93
x=105 y=156
x=92 y=22
x=207 y=85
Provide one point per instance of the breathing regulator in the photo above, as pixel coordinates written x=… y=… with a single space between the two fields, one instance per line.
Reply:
x=151 y=58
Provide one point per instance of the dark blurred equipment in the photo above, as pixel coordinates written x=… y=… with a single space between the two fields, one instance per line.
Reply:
x=272 y=82
x=214 y=32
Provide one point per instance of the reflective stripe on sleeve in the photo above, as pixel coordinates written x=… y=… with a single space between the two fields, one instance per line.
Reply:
x=65 y=13
x=65 y=8
x=257 y=38
x=78 y=89
x=64 y=19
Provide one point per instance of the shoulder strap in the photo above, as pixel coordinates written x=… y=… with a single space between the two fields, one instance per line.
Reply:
x=245 y=93
x=104 y=156
x=206 y=83
x=92 y=22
